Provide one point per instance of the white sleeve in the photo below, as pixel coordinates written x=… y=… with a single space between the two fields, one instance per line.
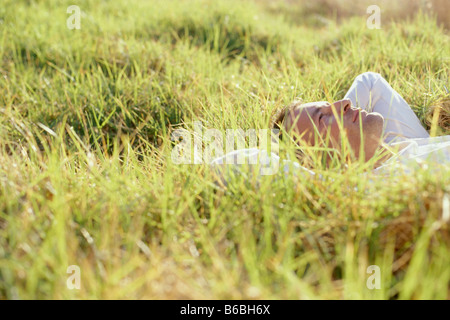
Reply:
x=371 y=92
x=247 y=160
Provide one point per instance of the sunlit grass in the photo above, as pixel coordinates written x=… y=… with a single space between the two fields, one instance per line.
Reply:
x=86 y=176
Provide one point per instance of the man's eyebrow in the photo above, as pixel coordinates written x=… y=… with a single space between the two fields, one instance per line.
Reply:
x=316 y=112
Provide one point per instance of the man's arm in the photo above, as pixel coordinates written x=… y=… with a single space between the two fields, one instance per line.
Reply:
x=371 y=92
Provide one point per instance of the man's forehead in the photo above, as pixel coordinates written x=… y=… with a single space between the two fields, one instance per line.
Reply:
x=312 y=105
x=301 y=114
x=301 y=118
x=306 y=108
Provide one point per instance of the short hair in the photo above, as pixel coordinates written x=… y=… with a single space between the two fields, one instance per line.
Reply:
x=280 y=124
x=280 y=116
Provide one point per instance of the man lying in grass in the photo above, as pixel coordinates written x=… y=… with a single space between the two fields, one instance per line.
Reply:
x=373 y=122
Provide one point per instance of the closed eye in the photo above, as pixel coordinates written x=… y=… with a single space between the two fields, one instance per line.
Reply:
x=320 y=117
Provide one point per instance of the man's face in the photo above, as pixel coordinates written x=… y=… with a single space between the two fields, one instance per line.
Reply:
x=313 y=122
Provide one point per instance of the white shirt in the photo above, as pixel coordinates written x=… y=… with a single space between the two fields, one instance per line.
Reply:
x=420 y=152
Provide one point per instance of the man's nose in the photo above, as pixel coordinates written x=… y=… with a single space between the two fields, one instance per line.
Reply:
x=343 y=105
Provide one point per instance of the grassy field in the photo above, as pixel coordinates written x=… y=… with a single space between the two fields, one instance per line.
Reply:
x=86 y=176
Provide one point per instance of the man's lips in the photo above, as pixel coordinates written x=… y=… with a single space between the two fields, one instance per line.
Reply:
x=355 y=115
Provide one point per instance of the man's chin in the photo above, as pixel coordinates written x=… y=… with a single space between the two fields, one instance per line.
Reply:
x=373 y=124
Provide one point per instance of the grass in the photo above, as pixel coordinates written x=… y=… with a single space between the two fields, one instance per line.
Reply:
x=86 y=176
